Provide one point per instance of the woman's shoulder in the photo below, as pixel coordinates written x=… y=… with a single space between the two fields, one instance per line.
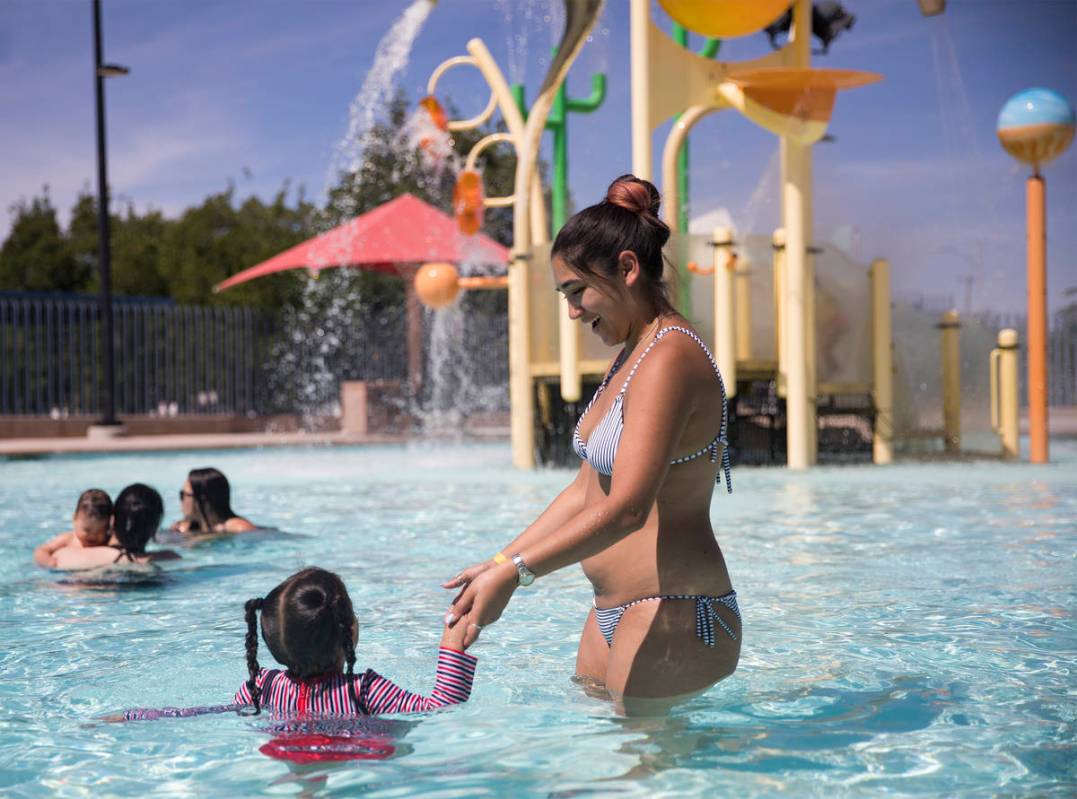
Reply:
x=238 y=524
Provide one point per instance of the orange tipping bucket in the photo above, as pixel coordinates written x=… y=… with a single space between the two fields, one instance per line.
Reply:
x=467 y=202
x=436 y=112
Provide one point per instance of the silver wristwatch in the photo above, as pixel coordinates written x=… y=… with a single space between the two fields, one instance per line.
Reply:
x=525 y=575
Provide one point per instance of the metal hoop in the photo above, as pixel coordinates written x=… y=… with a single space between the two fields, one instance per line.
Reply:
x=445 y=66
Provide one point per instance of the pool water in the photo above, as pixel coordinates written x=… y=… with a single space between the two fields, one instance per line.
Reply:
x=908 y=630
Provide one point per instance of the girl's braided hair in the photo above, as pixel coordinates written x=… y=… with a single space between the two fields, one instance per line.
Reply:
x=307 y=625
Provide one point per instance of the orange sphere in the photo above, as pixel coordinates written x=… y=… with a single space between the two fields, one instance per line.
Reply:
x=437 y=285
x=725 y=19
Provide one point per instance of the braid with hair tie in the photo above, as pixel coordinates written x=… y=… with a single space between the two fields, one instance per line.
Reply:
x=349 y=659
x=250 y=610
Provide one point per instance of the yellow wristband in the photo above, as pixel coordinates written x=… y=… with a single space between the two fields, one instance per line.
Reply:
x=500 y=558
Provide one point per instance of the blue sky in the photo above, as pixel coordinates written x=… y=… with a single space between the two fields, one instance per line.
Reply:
x=257 y=92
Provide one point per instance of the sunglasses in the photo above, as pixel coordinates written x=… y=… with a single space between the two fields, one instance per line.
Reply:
x=184 y=494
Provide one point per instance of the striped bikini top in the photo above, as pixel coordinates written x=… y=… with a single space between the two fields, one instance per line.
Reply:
x=600 y=450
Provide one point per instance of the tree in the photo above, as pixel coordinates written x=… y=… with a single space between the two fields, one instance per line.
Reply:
x=35 y=256
x=212 y=241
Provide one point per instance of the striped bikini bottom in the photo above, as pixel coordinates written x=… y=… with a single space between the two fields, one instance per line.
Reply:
x=706 y=615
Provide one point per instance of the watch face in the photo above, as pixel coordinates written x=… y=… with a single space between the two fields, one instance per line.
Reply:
x=526 y=576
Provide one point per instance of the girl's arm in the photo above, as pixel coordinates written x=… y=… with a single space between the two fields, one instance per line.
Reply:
x=452 y=684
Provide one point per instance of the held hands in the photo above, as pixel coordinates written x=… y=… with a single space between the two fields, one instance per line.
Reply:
x=487 y=589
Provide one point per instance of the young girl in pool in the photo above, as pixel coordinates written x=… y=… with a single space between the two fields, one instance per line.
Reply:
x=310 y=627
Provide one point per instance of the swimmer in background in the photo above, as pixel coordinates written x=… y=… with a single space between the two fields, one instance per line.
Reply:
x=310 y=627
x=206 y=504
x=90 y=527
x=136 y=518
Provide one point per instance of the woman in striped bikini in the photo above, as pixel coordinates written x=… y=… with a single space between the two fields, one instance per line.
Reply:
x=309 y=626
x=665 y=624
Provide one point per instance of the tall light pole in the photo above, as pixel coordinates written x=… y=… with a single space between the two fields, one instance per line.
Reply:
x=108 y=423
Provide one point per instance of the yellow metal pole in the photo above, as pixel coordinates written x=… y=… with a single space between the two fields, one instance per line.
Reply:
x=883 y=362
x=777 y=243
x=1004 y=403
x=796 y=202
x=640 y=17
x=950 y=352
x=1036 y=197
x=724 y=321
x=742 y=308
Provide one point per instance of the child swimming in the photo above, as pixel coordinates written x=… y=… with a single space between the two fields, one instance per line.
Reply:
x=310 y=627
x=90 y=527
x=136 y=517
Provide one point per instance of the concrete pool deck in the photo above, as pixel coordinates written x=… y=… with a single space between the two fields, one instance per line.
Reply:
x=1062 y=421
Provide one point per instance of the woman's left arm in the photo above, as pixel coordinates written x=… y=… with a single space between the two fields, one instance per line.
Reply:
x=656 y=412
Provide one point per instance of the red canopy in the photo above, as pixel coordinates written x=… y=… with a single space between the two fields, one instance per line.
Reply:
x=403 y=231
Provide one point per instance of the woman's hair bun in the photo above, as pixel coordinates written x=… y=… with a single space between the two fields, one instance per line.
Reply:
x=635 y=195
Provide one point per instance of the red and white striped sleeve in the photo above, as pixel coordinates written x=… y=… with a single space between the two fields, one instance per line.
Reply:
x=452 y=685
x=243 y=695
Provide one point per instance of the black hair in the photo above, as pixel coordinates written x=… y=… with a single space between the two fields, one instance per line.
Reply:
x=307 y=625
x=94 y=504
x=137 y=512
x=626 y=220
x=212 y=498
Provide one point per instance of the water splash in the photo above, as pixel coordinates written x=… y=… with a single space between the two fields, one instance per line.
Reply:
x=390 y=58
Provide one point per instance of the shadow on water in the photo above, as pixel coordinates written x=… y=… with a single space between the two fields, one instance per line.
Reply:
x=779 y=732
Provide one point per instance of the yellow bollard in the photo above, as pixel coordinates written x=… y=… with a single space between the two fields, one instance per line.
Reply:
x=950 y=351
x=1004 y=407
x=883 y=360
x=742 y=308
x=725 y=352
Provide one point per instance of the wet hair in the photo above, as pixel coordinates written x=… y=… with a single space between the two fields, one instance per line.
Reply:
x=212 y=498
x=94 y=504
x=307 y=625
x=137 y=514
x=627 y=219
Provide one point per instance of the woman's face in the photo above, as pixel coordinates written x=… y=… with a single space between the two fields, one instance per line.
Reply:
x=591 y=303
x=187 y=500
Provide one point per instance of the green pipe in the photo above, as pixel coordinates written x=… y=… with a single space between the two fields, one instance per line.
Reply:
x=557 y=123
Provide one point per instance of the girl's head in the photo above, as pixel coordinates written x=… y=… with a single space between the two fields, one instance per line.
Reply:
x=206 y=499
x=137 y=515
x=608 y=261
x=309 y=626
x=92 y=515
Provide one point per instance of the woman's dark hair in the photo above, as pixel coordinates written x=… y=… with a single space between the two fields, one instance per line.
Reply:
x=94 y=504
x=138 y=511
x=212 y=498
x=591 y=241
x=307 y=625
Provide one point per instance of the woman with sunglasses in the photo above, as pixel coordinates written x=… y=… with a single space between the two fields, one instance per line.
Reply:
x=206 y=503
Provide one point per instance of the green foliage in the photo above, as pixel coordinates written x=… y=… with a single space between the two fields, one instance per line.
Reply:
x=36 y=256
x=184 y=258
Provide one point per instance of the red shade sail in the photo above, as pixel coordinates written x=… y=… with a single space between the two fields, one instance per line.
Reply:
x=402 y=231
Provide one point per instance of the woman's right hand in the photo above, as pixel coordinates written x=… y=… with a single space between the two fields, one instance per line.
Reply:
x=464 y=578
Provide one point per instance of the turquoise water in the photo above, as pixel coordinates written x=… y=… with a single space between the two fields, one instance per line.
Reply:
x=908 y=630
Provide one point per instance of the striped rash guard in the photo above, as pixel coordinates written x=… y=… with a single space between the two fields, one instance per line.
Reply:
x=327 y=694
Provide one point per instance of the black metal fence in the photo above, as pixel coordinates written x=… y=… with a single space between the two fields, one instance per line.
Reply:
x=170 y=359
x=178 y=360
